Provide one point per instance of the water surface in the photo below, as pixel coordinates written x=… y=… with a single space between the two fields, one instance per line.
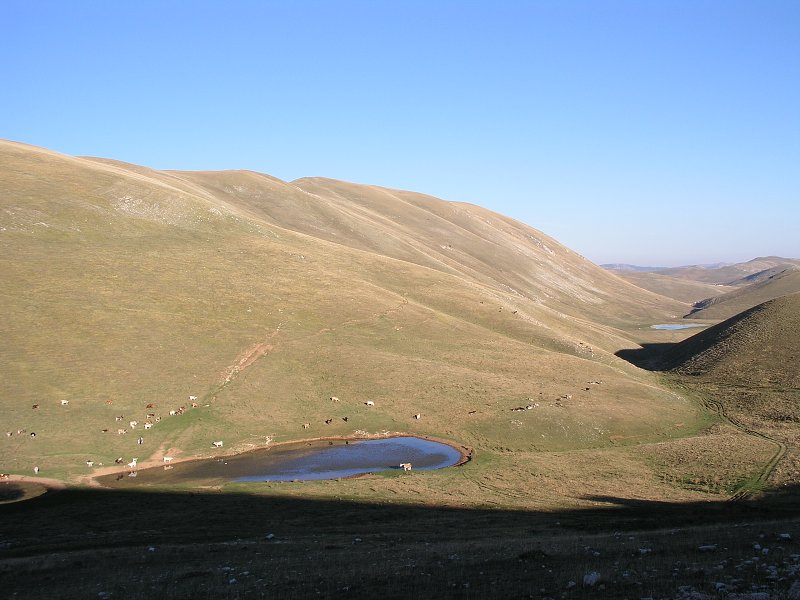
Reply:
x=306 y=461
x=677 y=326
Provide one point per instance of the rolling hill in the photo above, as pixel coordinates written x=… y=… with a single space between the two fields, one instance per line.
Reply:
x=722 y=273
x=755 y=289
x=755 y=347
x=126 y=287
x=748 y=365
x=127 y=291
x=683 y=290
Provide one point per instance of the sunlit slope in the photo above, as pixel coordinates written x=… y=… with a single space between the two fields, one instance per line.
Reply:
x=727 y=274
x=455 y=238
x=683 y=290
x=124 y=287
x=784 y=281
x=758 y=347
x=748 y=363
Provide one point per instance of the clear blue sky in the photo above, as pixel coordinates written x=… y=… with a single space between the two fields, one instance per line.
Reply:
x=642 y=131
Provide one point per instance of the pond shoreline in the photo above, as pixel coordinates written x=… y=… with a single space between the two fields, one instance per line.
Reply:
x=466 y=454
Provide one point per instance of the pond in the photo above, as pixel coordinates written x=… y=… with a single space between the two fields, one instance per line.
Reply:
x=298 y=462
x=677 y=326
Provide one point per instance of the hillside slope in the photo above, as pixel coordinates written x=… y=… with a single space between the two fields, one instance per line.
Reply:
x=721 y=273
x=126 y=287
x=775 y=283
x=748 y=365
x=756 y=347
x=683 y=290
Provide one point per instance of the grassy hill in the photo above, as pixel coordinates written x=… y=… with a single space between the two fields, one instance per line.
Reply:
x=125 y=290
x=683 y=290
x=724 y=273
x=125 y=287
x=755 y=347
x=758 y=288
x=749 y=364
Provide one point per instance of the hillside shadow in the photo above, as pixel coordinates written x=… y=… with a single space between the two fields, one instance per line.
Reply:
x=651 y=357
x=135 y=544
x=80 y=517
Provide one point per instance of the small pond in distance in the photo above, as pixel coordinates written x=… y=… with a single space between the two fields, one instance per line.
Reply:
x=678 y=326
x=304 y=461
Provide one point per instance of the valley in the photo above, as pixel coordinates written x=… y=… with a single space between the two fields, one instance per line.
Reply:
x=232 y=311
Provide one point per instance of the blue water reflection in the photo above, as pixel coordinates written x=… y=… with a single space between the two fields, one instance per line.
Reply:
x=357 y=457
x=677 y=326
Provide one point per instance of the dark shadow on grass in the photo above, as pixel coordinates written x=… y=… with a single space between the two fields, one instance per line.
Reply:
x=652 y=357
x=137 y=544
x=122 y=517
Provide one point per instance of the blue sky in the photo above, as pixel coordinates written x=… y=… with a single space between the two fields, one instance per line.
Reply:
x=647 y=132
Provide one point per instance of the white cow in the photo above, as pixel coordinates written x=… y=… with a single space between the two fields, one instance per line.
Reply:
x=406 y=466
x=217 y=444
x=369 y=403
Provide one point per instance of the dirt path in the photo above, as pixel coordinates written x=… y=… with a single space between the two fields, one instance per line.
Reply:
x=747 y=489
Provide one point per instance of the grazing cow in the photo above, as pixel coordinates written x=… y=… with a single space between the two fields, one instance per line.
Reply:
x=328 y=421
x=194 y=405
x=344 y=419
x=121 y=431
x=334 y=399
x=119 y=460
x=64 y=402
x=369 y=403
x=119 y=418
x=35 y=406
x=151 y=415
x=35 y=470
x=167 y=459
x=33 y=434
x=9 y=433
x=109 y=402
x=89 y=463
x=306 y=425
x=133 y=424
x=148 y=425
x=140 y=440
x=417 y=416
x=406 y=466
x=217 y=444
x=104 y=430
x=150 y=405
x=172 y=413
